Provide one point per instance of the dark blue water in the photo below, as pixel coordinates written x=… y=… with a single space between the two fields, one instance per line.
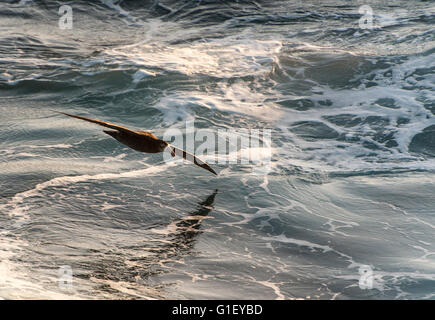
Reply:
x=350 y=184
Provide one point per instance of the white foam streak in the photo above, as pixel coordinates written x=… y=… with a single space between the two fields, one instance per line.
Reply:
x=18 y=209
x=229 y=58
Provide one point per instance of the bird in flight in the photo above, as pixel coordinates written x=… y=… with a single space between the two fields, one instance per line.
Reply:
x=143 y=141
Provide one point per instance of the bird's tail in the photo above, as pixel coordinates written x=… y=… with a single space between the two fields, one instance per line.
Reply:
x=190 y=157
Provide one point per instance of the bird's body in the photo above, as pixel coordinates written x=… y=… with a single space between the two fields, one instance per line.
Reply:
x=143 y=141
x=139 y=140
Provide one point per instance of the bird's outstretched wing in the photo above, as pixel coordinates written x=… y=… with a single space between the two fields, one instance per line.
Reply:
x=101 y=123
x=190 y=157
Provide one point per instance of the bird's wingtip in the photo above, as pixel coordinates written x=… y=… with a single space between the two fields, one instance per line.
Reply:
x=61 y=112
x=208 y=168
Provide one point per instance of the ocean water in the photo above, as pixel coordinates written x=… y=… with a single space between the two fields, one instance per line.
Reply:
x=344 y=210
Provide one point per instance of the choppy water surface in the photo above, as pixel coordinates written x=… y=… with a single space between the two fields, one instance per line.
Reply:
x=351 y=182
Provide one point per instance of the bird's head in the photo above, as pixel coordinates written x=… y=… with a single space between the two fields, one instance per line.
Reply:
x=163 y=144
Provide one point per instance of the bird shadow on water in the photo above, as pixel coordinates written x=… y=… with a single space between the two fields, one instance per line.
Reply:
x=141 y=274
x=188 y=228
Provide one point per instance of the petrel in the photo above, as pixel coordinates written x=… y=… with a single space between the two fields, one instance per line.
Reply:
x=143 y=141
